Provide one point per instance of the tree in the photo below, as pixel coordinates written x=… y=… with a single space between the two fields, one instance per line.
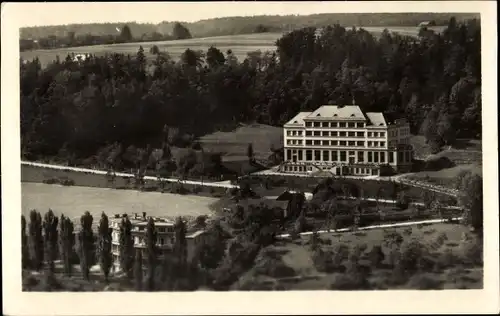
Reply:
x=67 y=242
x=138 y=272
x=471 y=199
x=86 y=244
x=180 y=31
x=151 y=240
x=180 y=244
x=36 y=240
x=126 y=247
x=105 y=257
x=50 y=238
x=215 y=57
x=250 y=152
x=154 y=50
x=24 y=242
x=126 y=34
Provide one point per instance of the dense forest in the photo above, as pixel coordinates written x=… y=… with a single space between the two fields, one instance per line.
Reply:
x=107 y=33
x=77 y=108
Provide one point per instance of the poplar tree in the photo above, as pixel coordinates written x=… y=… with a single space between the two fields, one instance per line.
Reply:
x=36 y=239
x=126 y=247
x=67 y=242
x=50 y=223
x=105 y=258
x=151 y=239
x=24 y=244
x=86 y=243
x=138 y=270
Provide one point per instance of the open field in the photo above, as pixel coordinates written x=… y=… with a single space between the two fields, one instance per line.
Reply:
x=450 y=267
x=74 y=201
x=445 y=177
x=234 y=144
x=239 y=44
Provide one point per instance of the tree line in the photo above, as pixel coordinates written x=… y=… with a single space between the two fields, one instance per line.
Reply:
x=120 y=34
x=244 y=25
x=78 y=108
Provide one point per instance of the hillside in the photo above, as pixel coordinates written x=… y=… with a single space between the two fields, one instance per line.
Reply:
x=242 y=25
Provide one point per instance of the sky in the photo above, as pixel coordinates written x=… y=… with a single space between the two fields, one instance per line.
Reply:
x=37 y=14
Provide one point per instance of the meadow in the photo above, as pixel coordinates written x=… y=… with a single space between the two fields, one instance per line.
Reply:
x=240 y=45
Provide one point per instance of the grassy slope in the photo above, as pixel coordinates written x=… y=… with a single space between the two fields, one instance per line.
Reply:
x=298 y=257
x=239 y=44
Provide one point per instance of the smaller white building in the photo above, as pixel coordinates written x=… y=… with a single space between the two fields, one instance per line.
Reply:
x=165 y=236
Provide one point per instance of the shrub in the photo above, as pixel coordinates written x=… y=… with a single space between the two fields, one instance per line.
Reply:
x=154 y=50
x=438 y=164
x=275 y=268
x=376 y=256
x=471 y=252
x=323 y=261
x=424 y=281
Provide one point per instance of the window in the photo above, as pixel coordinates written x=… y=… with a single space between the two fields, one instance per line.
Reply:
x=370 y=144
x=351 y=125
x=351 y=134
x=309 y=124
x=317 y=124
x=300 y=155
x=288 y=154
x=382 y=157
x=326 y=143
x=308 y=155
x=342 y=134
x=289 y=133
x=334 y=124
x=360 y=134
x=317 y=133
x=382 y=134
x=334 y=133
x=375 y=134
x=317 y=155
x=334 y=155
x=309 y=142
x=369 y=134
x=317 y=142
x=299 y=142
x=361 y=156
x=391 y=158
x=375 y=156
x=352 y=143
x=343 y=156
x=325 y=134
x=375 y=144
x=361 y=125
x=342 y=143
x=382 y=144
x=351 y=153
x=360 y=144
x=370 y=159
x=324 y=124
x=326 y=155
x=342 y=124
x=335 y=142
x=308 y=133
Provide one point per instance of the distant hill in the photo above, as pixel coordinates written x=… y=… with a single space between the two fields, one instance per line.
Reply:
x=244 y=25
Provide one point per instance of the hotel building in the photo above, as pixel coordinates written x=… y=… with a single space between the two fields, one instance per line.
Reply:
x=345 y=141
x=165 y=237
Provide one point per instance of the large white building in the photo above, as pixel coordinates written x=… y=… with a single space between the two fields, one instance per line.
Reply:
x=346 y=141
x=165 y=236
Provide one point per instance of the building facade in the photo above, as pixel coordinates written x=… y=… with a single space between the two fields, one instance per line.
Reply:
x=165 y=237
x=345 y=141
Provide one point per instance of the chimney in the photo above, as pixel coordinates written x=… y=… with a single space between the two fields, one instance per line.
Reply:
x=144 y=215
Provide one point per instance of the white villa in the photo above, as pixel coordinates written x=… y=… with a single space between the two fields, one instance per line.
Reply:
x=345 y=141
x=165 y=234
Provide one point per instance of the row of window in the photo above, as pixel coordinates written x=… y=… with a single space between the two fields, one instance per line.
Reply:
x=335 y=124
x=352 y=143
x=340 y=156
x=335 y=134
x=345 y=170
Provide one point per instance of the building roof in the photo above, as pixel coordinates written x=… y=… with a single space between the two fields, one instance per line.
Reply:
x=299 y=118
x=340 y=112
x=376 y=119
x=141 y=221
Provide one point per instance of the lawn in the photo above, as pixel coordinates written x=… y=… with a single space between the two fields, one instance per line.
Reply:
x=445 y=177
x=239 y=44
x=73 y=201
x=451 y=266
x=234 y=144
